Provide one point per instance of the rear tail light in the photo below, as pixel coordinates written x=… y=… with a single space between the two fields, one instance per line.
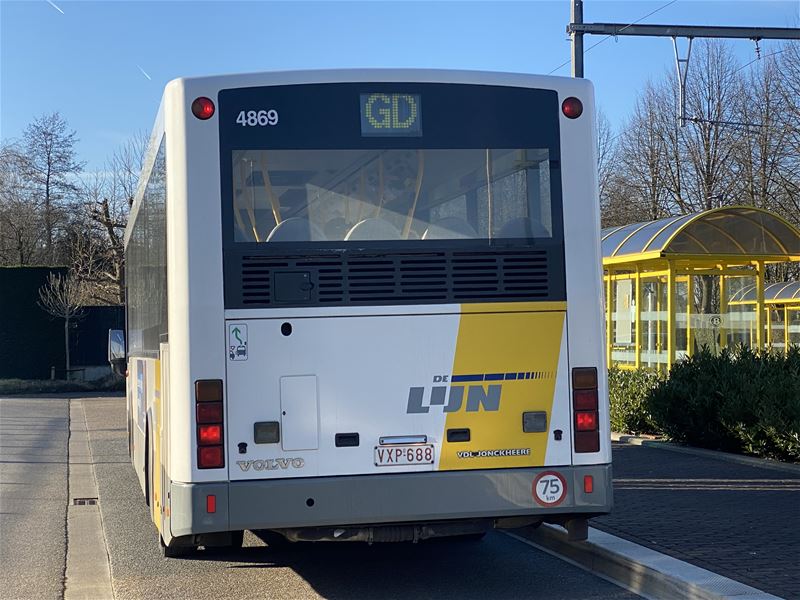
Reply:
x=210 y=457
x=209 y=435
x=585 y=409
x=209 y=412
x=210 y=423
x=586 y=420
x=588 y=484
x=211 y=503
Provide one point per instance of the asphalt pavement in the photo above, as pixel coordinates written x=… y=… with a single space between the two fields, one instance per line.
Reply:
x=737 y=520
x=497 y=567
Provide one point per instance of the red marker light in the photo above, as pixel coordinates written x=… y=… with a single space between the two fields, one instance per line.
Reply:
x=203 y=108
x=586 y=421
x=572 y=108
x=209 y=434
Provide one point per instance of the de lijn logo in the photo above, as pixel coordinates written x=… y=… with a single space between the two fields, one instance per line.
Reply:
x=482 y=392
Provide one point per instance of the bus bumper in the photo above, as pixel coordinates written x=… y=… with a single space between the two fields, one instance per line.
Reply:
x=390 y=498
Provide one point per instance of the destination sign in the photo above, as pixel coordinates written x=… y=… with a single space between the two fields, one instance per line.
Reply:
x=391 y=115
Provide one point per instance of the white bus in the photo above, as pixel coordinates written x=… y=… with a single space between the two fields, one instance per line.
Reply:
x=367 y=305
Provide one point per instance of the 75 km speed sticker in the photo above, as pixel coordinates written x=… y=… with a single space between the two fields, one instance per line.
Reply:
x=549 y=488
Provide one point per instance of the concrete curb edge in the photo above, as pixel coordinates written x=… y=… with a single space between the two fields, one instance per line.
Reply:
x=750 y=461
x=639 y=569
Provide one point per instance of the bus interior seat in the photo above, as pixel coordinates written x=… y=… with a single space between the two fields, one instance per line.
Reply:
x=373 y=228
x=450 y=228
x=295 y=229
x=521 y=227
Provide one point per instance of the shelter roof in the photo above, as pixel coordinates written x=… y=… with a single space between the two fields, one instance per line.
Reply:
x=774 y=293
x=741 y=231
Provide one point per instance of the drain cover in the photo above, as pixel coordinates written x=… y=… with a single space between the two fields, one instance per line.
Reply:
x=84 y=501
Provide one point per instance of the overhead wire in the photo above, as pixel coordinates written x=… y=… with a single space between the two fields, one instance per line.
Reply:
x=756 y=59
x=605 y=39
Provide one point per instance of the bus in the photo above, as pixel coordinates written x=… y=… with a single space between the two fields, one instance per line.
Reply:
x=367 y=305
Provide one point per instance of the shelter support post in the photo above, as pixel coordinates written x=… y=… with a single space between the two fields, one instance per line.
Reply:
x=759 y=304
x=638 y=339
x=768 y=316
x=670 y=316
x=609 y=322
x=723 y=310
x=689 y=302
x=786 y=328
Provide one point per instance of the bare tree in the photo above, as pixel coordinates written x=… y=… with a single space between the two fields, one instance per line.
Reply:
x=709 y=140
x=606 y=155
x=98 y=245
x=64 y=298
x=788 y=194
x=52 y=167
x=20 y=221
x=637 y=188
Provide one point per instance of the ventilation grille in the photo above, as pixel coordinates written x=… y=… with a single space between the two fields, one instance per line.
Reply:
x=437 y=277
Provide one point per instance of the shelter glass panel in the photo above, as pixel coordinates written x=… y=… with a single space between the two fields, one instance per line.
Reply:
x=623 y=322
x=654 y=323
x=612 y=240
x=777 y=327
x=787 y=291
x=708 y=321
x=671 y=227
x=638 y=241
x=742 y=315
x=793 y=323
x=682 y=322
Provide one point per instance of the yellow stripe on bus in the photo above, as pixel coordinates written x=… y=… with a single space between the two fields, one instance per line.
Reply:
x=156 y=432
x=513 y=344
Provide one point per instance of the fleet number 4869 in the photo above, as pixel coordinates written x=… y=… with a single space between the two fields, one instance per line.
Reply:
x=257 y=118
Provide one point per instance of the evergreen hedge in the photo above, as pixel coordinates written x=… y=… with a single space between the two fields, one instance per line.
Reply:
x=737 y=401
x=628 y=391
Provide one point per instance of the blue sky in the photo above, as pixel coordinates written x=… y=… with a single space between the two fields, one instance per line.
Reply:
x=87 y=62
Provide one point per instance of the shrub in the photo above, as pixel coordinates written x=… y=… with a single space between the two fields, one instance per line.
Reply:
x=737 y=401
x=627 y=393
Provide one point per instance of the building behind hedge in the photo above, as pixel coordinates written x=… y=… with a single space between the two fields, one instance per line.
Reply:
x=32 y=341
x=677 y=284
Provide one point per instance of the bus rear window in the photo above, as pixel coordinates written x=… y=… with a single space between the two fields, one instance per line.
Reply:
x=381 y=195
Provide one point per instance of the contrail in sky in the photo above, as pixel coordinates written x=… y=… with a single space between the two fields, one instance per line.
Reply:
x=145 y=73
x=53 y=4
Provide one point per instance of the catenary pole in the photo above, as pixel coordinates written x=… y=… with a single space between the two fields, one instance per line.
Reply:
x=577 y=38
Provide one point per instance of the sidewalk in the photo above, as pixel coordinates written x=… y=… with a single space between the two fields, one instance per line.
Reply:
x=740 y=521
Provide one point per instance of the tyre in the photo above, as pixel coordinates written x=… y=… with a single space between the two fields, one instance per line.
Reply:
x=472 y=537
x=176 y=550
x=237 y=539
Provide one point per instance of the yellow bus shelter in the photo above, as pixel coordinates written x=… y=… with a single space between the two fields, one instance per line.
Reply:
x=781 y=312
x=669 y=283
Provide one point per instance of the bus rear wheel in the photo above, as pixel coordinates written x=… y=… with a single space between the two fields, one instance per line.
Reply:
x=175 y=550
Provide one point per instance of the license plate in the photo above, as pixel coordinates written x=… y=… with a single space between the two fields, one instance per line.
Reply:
x=395 y=456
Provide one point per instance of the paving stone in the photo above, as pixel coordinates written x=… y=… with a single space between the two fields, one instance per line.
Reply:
x=737 y=520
